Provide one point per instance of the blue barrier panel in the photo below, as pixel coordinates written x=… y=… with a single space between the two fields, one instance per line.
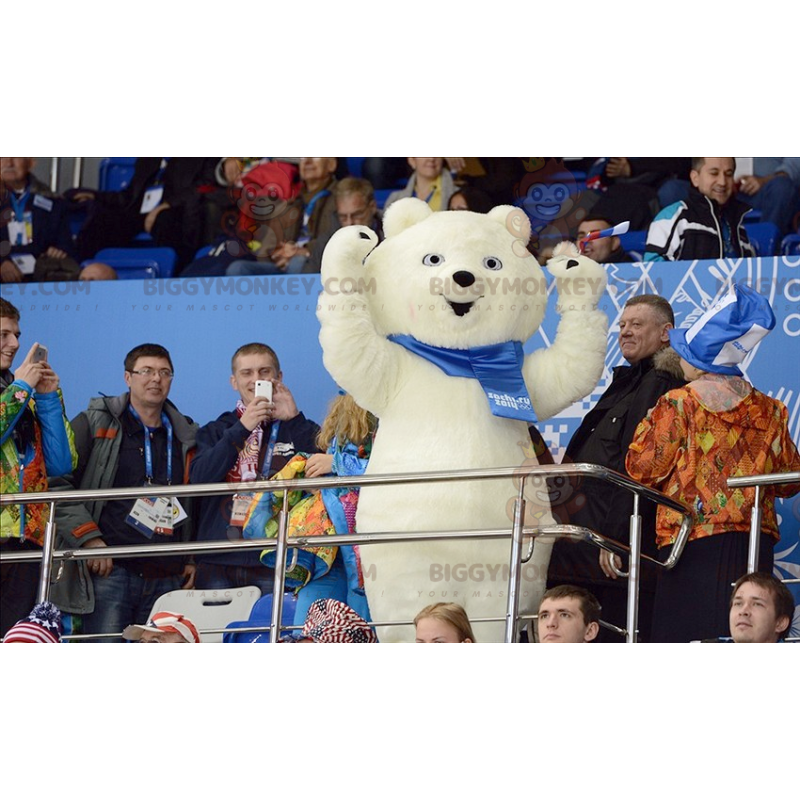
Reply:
x=89 y=327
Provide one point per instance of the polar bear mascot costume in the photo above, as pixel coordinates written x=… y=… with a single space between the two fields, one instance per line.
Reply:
x=425 y=330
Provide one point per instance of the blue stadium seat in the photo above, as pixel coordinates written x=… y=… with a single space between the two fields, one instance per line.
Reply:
x=633 y=243
x=764 y=237
x=354 y=165
x=115 y=174
x=133 y=263
x=790 y=246
x=260 y=616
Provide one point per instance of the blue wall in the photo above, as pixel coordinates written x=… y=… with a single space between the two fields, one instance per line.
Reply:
x=90 y=327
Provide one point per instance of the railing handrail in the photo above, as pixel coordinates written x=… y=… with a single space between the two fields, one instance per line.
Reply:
x=768 y=479
x=283 y=542
x=205 y=489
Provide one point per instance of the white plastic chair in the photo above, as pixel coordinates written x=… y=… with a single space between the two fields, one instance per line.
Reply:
x=209 y=608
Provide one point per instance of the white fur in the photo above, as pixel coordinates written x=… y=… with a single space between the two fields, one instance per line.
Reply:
x=429 y=421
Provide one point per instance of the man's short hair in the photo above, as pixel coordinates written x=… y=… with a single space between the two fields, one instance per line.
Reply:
x=590 y=607
x=697 y=163
x=781 y=596
x=255 y=348
x=661 y=306
x=146 y=351
x=354 y=186
x=8 y=310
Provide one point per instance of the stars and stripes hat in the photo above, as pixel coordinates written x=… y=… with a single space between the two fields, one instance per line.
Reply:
x=166 y=622
x=41 y=626
x=331 y=621
x=726 y=333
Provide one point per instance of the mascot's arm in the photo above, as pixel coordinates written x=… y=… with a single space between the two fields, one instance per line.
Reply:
x=362 y=361
x=571 y=367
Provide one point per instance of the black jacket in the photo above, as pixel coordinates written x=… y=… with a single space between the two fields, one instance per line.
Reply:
x=181 y=178
x=48 y=219
x=218 y=447
x=603 y=438
x=693 y=229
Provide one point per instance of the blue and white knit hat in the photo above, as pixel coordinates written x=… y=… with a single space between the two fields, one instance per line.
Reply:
x=726 y=333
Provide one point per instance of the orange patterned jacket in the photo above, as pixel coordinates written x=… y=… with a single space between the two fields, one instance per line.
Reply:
x=688 y=452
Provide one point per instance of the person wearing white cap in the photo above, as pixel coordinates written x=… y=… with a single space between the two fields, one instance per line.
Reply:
x=166 y=627
x=716 y=427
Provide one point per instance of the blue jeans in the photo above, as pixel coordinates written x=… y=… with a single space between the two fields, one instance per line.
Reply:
x=777 y=201
x=122 y=599
x=228 y=576
x=333 y=586
x=243 y=267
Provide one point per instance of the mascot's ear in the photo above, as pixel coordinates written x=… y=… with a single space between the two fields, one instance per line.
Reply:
x=514 y=220
x=403 y=214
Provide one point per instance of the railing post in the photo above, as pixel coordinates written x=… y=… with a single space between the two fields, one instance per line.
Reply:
x=632 y=619
x=755 y=533
x=54 y=164
x=47 y=556
x=77 y=171
x=280 y=570
x=515 y=566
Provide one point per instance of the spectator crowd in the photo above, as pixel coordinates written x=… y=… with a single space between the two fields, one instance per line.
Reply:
x=680 y=417
x=272 y=216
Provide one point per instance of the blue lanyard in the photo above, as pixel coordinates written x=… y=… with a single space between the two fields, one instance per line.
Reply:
x=18 y=204
x=148 y=450
x=309 y=209
x=161 y=170
x=428 y=198
x=273 y=437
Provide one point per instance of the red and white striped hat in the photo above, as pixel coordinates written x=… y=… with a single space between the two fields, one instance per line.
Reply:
x=166 y=622
x=41 y=626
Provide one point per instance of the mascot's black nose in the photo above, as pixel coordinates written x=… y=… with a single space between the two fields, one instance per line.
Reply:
x=573 y=263
x=464 y=279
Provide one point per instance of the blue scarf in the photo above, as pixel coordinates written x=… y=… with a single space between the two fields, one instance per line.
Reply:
x=498 y=368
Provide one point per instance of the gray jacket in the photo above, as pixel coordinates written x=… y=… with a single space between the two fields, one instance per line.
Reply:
x=97 y=440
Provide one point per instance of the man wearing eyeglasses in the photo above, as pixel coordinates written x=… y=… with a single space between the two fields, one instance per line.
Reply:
x=136 y=439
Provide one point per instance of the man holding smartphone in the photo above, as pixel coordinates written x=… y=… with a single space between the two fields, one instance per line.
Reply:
x=36 y=444
x=249 y=443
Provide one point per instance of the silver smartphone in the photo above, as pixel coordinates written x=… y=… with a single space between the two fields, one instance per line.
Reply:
x=264 y=389
x=39 y=354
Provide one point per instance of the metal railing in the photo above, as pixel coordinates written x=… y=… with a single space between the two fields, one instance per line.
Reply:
x=756 y=513
x=283 y=542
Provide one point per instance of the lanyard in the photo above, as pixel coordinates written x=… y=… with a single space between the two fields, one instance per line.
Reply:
x=161 y=170
x=148 y=450
x=309 y=209
x=428 y=198
x=273 y=437
x=18 y=204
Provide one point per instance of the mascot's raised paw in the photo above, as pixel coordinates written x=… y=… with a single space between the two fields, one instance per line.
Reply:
x=347 y=250
x=580 y=282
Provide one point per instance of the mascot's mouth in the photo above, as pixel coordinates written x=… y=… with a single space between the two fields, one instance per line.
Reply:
x=460 y=309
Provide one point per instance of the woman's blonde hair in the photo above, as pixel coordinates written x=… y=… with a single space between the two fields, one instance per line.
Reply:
x=346 y=421
x=451 y=613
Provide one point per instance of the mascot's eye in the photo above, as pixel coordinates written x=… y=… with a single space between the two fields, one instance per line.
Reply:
x=492 y=263
x=559 y=481
x=250 y=192
x=433 y=260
